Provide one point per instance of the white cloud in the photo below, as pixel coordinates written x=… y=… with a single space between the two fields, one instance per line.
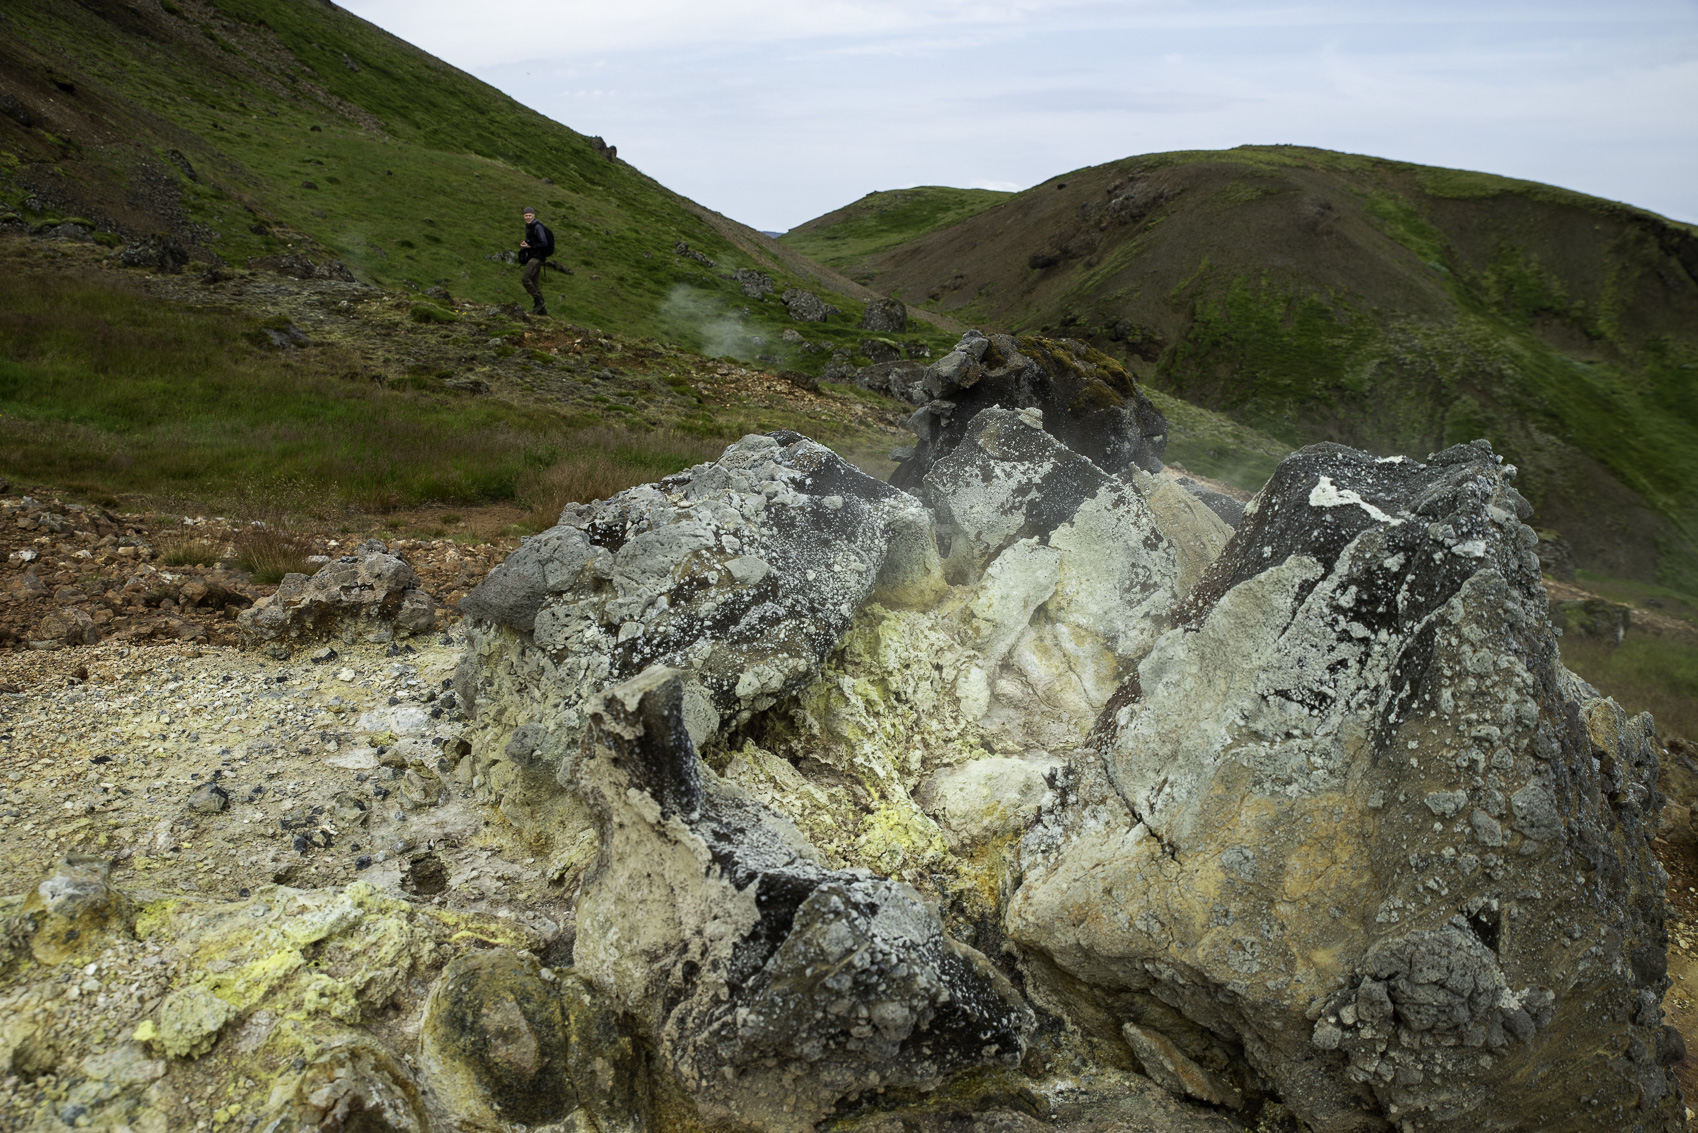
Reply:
x=777 y=112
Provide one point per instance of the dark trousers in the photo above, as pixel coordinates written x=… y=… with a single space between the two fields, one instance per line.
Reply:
x=528 y=279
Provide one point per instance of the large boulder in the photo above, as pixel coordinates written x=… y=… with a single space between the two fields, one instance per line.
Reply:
x=743 y=573
x=885 y=316
x=805 y=306
x=368 y=596
x=771 y=987
x=1085 y=398
x=1357 y=840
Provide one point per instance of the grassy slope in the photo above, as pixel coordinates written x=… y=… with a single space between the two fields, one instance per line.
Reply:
x=1316 y=295
x=108 y=387
x=420 y=170
x=879 y=221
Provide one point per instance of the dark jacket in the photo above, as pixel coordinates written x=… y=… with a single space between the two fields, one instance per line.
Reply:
x=540 y=239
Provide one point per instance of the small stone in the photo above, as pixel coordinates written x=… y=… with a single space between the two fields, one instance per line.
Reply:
x=345 y=675
x=210 y=798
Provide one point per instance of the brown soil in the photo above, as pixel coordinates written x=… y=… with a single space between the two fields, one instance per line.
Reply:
x=115 y=567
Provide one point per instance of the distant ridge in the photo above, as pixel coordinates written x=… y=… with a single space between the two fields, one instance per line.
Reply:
x=1326 y=296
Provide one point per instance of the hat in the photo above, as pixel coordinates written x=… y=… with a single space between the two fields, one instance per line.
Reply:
x=528 y=209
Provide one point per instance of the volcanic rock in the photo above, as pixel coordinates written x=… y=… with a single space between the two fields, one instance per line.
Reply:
x=159 y=252
x=744 y=573
x=885 y=316
x=805 y=306
x=369 y=596
x=1085 y=398
x=1259 y=861
x=771 y=987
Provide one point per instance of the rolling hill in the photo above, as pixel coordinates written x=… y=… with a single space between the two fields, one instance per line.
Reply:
x=258 y=128
x=1318 y=295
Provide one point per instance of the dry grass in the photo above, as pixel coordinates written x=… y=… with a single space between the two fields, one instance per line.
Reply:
x=605 y=462
x=269 y=553
x=191 y=552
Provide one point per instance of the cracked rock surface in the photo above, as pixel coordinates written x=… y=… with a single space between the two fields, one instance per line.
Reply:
x=1369 y=654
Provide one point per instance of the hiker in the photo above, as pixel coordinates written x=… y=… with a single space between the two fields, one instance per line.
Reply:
x=534 y=250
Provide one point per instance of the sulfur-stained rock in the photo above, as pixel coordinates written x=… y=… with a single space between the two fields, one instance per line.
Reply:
x=355 y=1084
x=743 y=573
x=1284 y=845
x=68 y=914
x=495 y=1044
x=771 y=987
x=369 y=596
x=190 y=1020
x=984 y=799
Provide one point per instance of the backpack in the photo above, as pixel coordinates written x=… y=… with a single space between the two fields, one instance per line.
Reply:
x=547 y=248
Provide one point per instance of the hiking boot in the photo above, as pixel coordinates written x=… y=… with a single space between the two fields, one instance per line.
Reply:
x=539 y=309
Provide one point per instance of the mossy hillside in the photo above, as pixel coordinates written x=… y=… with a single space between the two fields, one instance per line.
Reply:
x=417 y=171
x=882 y=220
x=1322 y=296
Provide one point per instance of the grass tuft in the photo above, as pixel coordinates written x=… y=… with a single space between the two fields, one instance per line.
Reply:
x=191 y=552
x=268 y=554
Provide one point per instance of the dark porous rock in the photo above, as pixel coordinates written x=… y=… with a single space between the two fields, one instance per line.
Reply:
x=878 y=350
x=369 y=596
x=297 y=266
x=805 y=306
x=885 y=316
x=159 y=252
x=905 y=380
x=68 y=230
x=744 y=572
x=771 y=988
x=755 y=284
x=286 y=337
x=840 y=369
x=1086 y=398
x=1380 y=840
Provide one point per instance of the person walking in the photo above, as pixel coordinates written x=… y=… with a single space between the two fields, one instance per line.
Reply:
x=534 y=251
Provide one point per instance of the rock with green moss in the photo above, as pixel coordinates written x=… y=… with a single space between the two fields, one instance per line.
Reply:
x=1086 y=399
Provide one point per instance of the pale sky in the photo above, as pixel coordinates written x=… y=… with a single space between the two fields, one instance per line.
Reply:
x=774 y=113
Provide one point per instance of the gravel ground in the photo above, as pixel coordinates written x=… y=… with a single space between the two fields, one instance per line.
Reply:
x=214 y=771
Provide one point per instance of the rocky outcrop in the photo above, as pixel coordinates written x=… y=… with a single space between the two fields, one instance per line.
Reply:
x=1085 y=397
x=903 y=380
x=368 y=596
x=1300 y=816
x=885 y=316
x=1355 y=822
x=772 y=987
x=743 y=573
x=755 y=284
x=159 y=252
x=806 y=307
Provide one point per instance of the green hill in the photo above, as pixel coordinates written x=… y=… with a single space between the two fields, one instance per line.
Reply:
x=253 y=128
x=879 y=221
x=1317 y=295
